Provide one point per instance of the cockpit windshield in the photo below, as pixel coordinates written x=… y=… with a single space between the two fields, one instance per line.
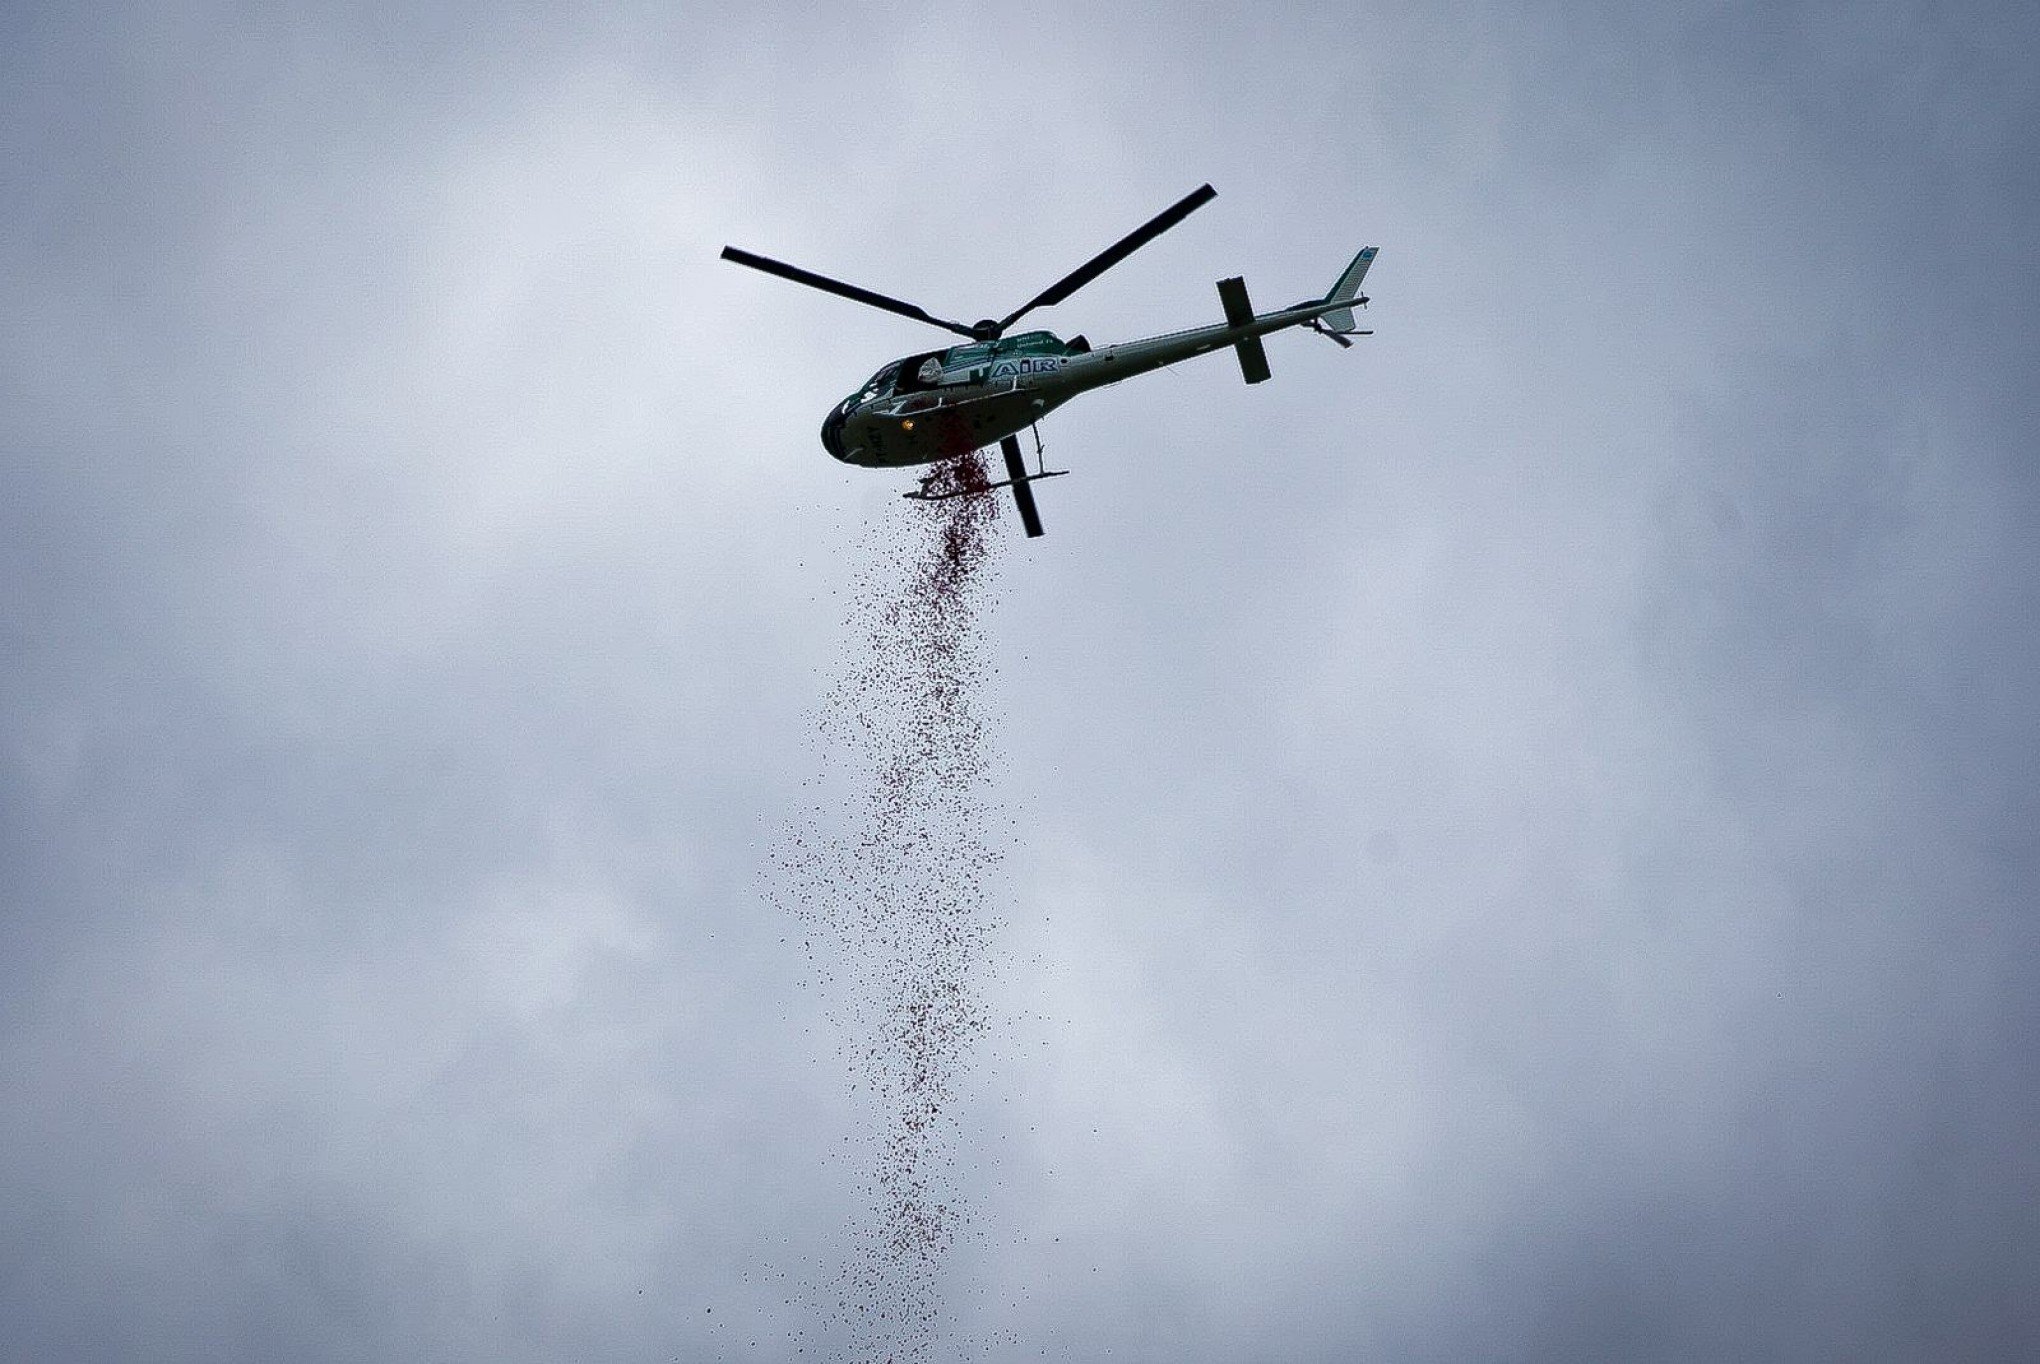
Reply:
x=880 y=383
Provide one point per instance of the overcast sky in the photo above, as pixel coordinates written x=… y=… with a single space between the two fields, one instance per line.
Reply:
x=1519 y=838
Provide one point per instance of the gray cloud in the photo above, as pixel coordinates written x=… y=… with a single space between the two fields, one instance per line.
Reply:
x=1523 y=831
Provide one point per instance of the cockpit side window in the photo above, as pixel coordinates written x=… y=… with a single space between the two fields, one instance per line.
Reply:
x=918 y=372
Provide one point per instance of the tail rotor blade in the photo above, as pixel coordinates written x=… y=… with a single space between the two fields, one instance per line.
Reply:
x=1116 y=253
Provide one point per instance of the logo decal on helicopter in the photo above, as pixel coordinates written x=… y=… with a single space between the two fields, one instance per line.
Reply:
x=1009 y=367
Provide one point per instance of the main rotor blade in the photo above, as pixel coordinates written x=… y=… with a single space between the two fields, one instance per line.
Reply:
x=840 y=289
x=1117 y=252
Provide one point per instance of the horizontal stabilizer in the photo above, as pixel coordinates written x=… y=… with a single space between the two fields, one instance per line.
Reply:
x=1232 y=296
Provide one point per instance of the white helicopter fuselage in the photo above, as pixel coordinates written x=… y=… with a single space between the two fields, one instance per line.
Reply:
x=944 y=404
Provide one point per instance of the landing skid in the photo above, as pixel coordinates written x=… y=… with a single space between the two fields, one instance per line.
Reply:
x=983 y=488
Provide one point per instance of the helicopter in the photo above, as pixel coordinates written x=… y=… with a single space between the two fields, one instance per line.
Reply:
x=943 y=404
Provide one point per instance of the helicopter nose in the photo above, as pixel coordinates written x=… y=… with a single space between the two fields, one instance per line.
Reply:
x=832 y=431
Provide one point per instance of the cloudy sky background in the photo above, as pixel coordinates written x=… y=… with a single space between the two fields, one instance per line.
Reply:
x=1523 y=833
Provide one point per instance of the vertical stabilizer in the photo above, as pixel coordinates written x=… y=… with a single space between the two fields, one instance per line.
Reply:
x=1347 y=290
